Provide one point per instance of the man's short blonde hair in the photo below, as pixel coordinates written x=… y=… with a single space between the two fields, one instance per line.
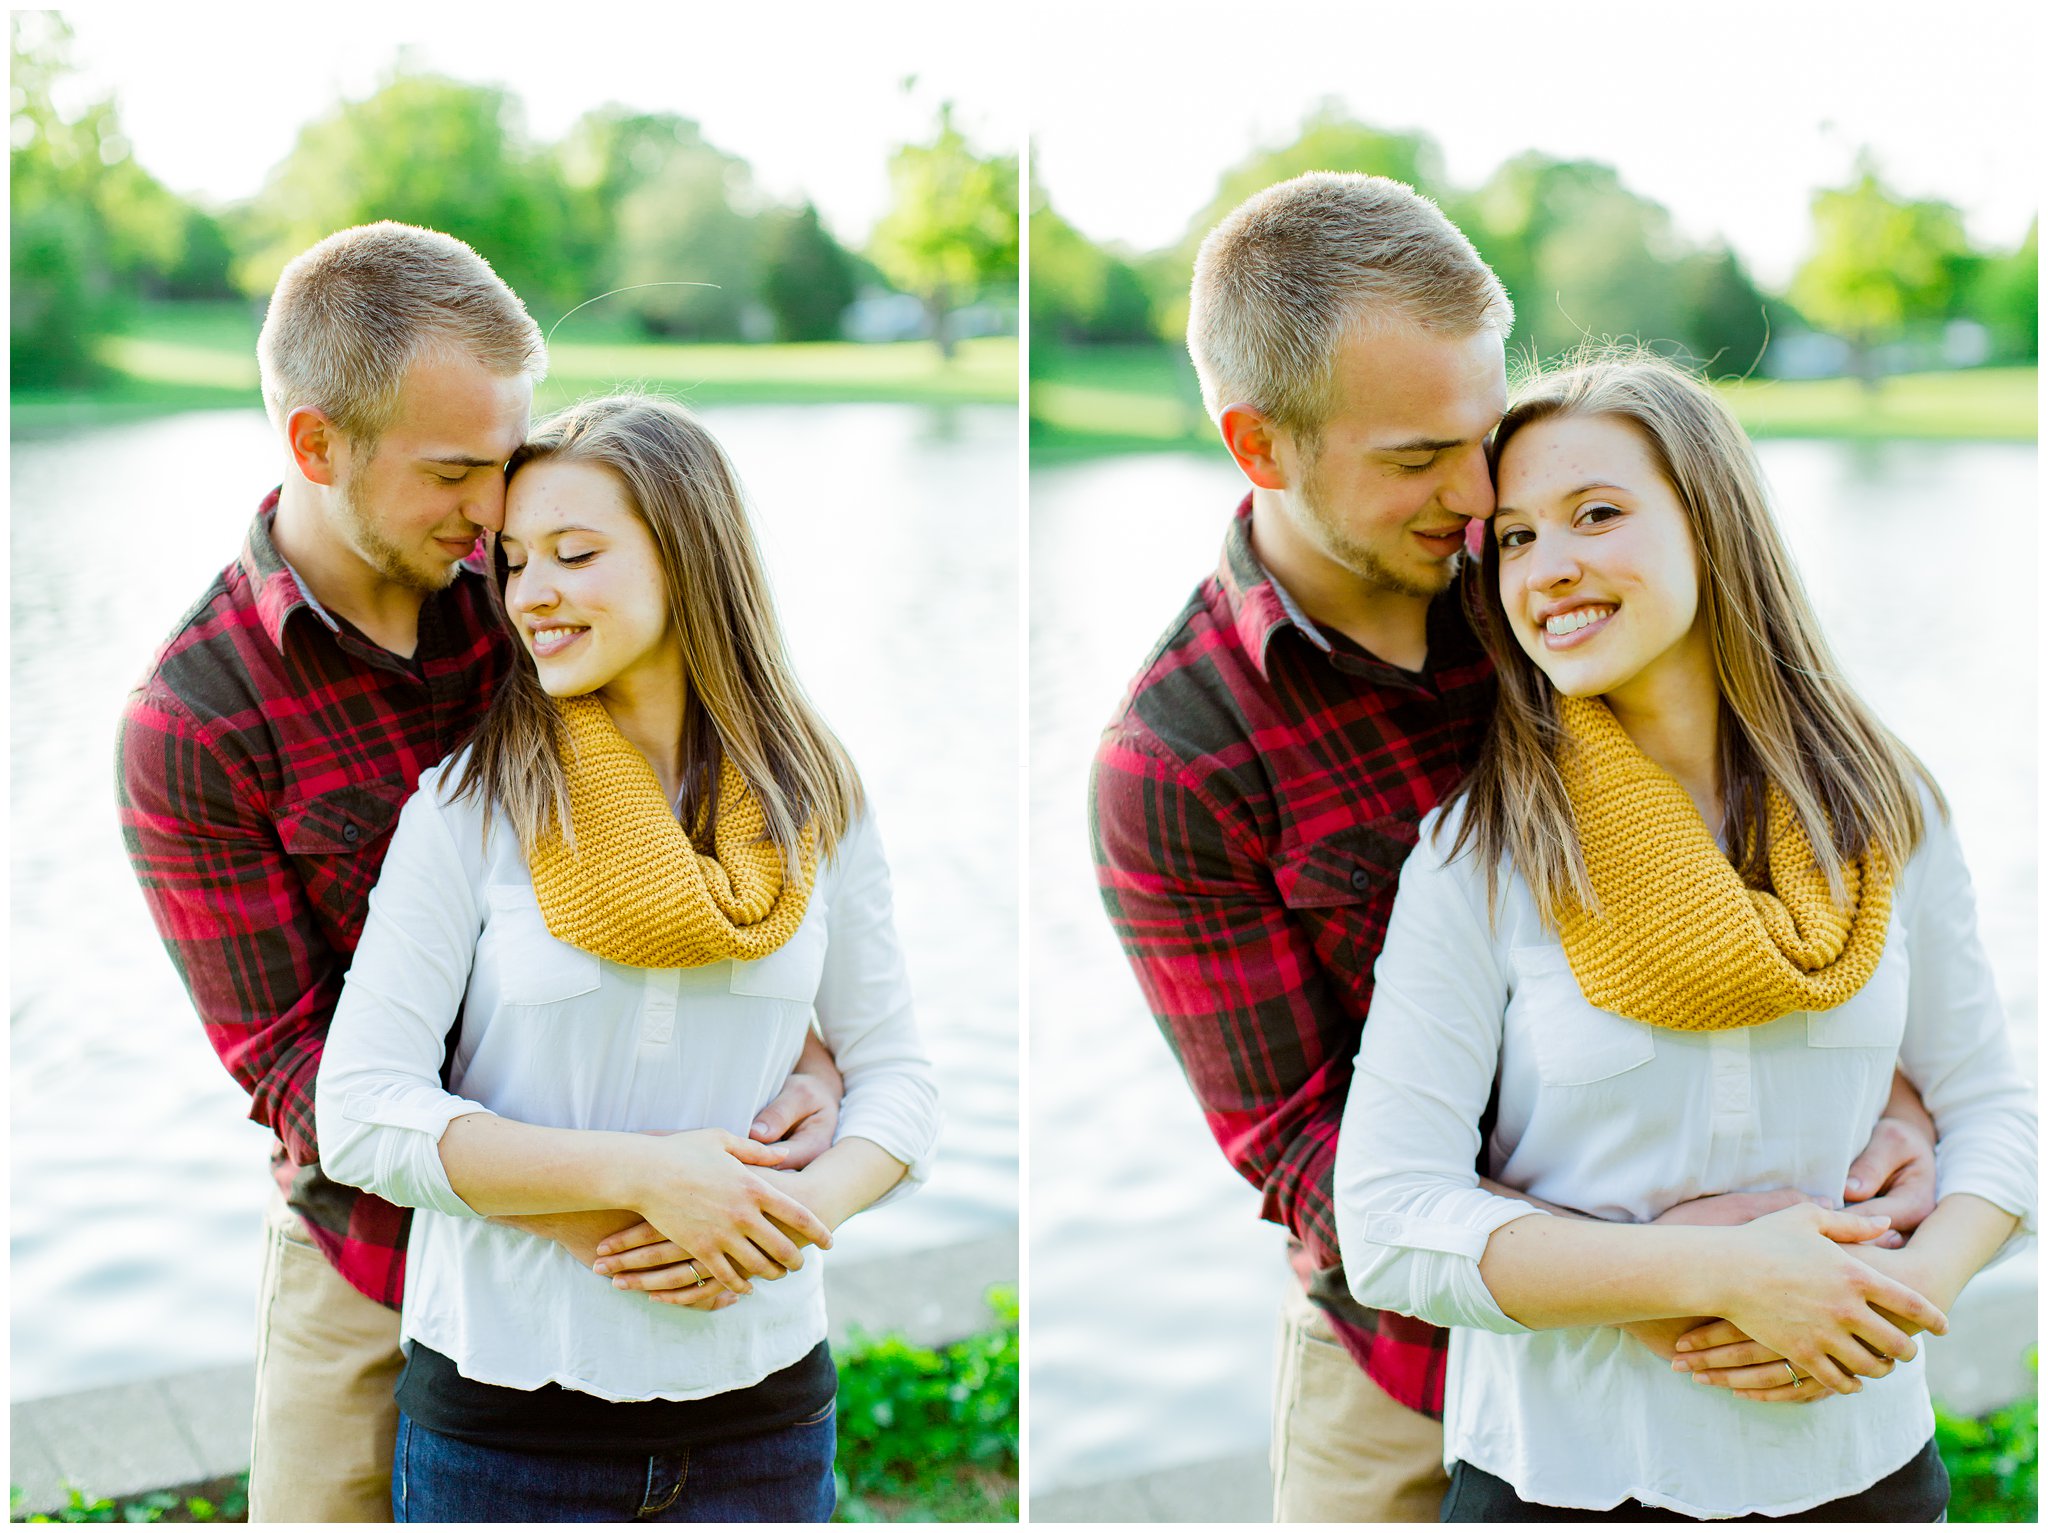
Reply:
x=350 y=315
x=1281 y=280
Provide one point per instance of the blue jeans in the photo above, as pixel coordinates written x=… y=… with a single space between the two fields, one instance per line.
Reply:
x=779 y=1476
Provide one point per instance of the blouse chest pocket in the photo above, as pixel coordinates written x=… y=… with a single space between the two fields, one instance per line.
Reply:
x=533 y=966
x=792 y=972
x=1875 y=1016
x=1574 y=1041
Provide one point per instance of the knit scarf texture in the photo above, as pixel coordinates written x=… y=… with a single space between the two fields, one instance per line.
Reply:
x=637 y=888
x=1680 y=941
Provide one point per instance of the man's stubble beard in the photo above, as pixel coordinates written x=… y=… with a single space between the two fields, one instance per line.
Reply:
x=379 y=552
x=1361 y=560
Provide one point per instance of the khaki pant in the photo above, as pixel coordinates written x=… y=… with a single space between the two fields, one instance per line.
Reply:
x=326 y=1361
x=1343 y=1451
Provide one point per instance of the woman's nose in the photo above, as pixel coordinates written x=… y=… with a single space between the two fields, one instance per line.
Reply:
x=1550 y=564
x=529 y=592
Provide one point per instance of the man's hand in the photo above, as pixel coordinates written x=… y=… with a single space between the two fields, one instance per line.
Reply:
x=1724 y=1208
x=579 y=1234
x=1894 y=1175
x=1661 y=1336
x=805 y=1113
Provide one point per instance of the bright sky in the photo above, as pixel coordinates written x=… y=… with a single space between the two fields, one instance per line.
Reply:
x=1730 y=114
x=809 y=93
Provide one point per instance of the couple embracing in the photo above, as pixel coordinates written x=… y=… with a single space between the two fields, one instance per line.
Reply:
x=508 y=869
x=1587 y=978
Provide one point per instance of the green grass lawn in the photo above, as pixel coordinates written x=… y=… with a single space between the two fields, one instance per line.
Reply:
x=198 y=356
x=1113 y=399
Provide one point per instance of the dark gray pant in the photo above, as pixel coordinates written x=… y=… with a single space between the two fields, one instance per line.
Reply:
x=1917 y=1492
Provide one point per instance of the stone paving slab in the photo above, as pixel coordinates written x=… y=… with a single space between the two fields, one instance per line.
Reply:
x=130 y=1439
x=931 y=1297
x=1235 y=1489
x=215 y=1406
x=108 y=1442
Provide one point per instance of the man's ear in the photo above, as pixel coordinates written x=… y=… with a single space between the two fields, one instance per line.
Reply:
x=1250 y=438
x=316 y=445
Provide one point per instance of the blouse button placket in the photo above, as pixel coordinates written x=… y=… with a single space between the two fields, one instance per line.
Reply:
x=658 y=1006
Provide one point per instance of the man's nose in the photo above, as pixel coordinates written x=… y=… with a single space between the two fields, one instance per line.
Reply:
x=487 y=507
x=1469 y=491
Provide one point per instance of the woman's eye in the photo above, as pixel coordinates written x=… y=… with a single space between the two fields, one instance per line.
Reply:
x=1515 y=537
x=513 y=569
x=1599 y=512
x=573 y=559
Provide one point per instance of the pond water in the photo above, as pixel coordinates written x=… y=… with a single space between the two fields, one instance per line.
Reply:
x=1154 y=1285
x=138 y=1184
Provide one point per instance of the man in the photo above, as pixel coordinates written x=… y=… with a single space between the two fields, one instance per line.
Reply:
x=264 y=758
x=1265 y=777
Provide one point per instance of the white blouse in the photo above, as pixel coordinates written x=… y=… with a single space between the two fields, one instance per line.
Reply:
x=1621 y=1120
x=556 y=1036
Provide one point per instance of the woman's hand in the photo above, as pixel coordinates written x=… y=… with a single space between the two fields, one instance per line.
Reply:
x=1829 y=1313
x=699 y=1192
x=641 y=1257
x=1718 y=1353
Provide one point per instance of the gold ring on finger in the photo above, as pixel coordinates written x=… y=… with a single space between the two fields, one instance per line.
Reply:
x=703 y=1276
x=1796 y=1380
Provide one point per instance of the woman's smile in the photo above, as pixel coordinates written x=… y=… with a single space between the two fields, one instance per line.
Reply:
x=1570 y=627
x=545 y=643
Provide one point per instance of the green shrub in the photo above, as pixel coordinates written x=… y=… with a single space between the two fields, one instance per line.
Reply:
x=231 y=1505
x=1993 y=1462
x=931 y=1435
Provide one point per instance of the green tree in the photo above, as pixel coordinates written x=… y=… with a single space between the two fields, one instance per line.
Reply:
x=1329 y=140
x=1583 y=257
x=1080 y=293
x=807 y=277
x=2002 y=292
x=1727 y=321
x=658 y=210
x=689 y=243
x=90 y=229
x=951 y=229
x=422 y=150
x=1881 y=264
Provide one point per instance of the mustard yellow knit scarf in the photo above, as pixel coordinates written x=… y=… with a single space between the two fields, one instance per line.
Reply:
x=637 y=889
x=1680 y=940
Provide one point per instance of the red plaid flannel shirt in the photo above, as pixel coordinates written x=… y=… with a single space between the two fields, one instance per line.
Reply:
x=263 y=761
x=1253 y=802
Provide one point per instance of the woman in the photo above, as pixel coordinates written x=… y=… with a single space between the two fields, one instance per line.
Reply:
x=635 y=886
x=1690 y=908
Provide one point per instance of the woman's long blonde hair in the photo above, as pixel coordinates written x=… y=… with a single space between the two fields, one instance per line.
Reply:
x=743 y=703
x=1788 y=719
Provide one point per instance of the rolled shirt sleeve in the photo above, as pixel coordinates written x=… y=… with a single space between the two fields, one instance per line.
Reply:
x=1412 y=1219
x=865 y=1013
x=379 y=1101
x=1957 y=1049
